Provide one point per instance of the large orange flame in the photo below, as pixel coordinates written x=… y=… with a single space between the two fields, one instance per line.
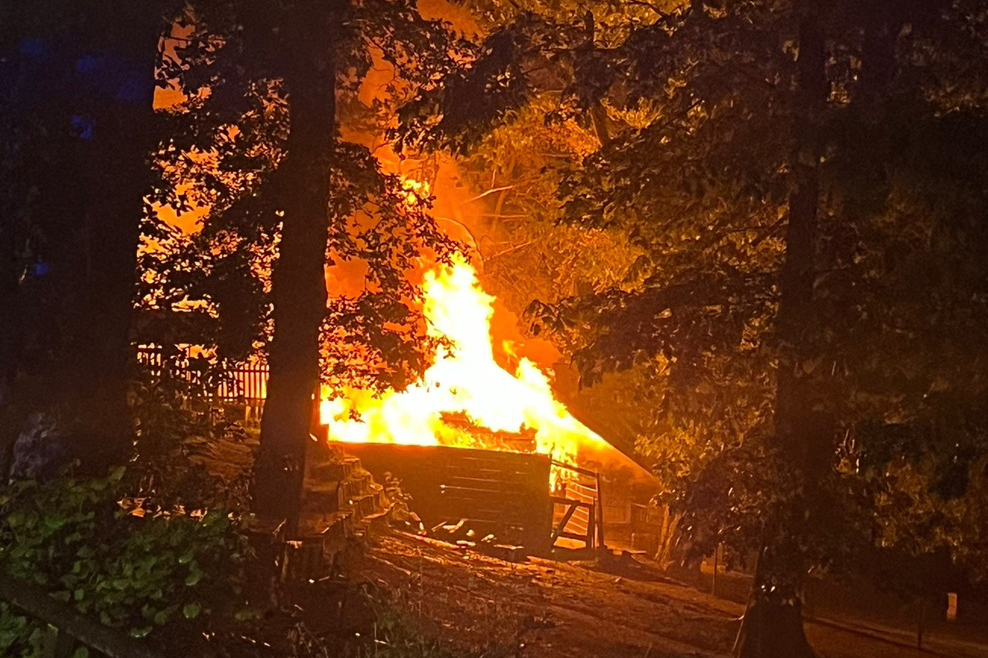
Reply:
x=464 y=381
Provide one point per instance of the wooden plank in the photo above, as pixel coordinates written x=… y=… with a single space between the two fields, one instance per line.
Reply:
x=454 y=471
x=559 y=500
x=573 y=535
x=485 y=483
x=600 y=515
x=511 y=488
x=70 y=623
x=478 y=492
x=590 y=528
x=575 y=469
x=562 y=524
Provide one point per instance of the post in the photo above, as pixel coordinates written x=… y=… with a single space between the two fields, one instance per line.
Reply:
x=591 y=520
x=317 y=430
x=713 y=580
x=600 y=515
x=919 y=626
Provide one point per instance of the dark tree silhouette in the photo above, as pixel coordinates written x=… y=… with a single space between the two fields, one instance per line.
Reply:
x=764 y=160
x=287 y=198
x=79 y=128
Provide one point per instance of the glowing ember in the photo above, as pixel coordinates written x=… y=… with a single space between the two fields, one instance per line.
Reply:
x=464 y=381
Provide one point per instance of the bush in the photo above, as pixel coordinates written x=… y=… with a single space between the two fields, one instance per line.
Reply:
x=130 y=570
x=188 y=452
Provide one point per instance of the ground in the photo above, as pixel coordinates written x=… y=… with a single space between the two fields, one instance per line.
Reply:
x=547 y=609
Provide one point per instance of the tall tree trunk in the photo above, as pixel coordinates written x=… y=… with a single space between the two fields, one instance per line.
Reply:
x=11 y=340
x=772 y=626
x=117 y=176
x=882 y=23
x=298 y=279
x=69 y=345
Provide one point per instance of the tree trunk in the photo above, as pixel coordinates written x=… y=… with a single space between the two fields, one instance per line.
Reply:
x=668 y=537
x=882 y=23
x=772 y=626
x=117 y=176
x=771 y=629
x=298 y=279
x=11 y=339
x=69 y=346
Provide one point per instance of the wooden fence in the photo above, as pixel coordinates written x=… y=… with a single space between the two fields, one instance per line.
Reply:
x=242 y=384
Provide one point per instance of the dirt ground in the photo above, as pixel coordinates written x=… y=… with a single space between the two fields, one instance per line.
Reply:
x=545 y=609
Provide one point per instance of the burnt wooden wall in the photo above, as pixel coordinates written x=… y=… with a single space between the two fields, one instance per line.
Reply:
x=503 y=493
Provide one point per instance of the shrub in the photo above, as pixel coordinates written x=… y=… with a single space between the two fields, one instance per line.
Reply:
x=130 y=570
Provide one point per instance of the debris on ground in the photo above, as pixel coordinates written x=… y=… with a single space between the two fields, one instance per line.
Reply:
x=621 y=605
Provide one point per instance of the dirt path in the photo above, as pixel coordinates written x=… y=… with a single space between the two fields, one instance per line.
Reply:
x=545 y=609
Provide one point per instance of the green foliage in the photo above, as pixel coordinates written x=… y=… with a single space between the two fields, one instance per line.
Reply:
x=113 y=562
x=396 y=633
x=695 y=113
x=526 y=253
x=612 y=16
x=18 y=636
x=224 y=155
x=189 y=452
x=395 y=637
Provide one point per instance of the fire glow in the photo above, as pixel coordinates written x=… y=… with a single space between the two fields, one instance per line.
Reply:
x=464 y=382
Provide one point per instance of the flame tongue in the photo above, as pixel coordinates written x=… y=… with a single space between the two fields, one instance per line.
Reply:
x=464 y=381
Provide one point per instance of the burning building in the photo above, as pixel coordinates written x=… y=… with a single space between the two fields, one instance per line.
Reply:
x=474 y=442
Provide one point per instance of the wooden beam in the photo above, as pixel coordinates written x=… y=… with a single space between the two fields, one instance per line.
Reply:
x=559 y=531
x=70 y=622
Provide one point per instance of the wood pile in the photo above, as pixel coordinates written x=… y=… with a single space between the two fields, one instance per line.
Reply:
x=465 y=536
x=341 y=501
x=488 y=439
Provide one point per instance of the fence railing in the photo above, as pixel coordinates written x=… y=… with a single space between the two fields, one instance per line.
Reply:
x=242 y=384
x=578 y=511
